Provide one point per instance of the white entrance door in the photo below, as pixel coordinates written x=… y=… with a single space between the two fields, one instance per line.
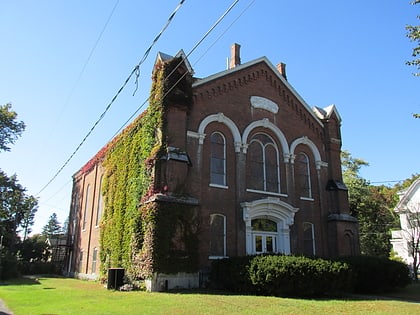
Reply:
x=265 y=243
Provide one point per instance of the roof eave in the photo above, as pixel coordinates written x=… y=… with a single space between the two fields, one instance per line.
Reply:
x=273 y=68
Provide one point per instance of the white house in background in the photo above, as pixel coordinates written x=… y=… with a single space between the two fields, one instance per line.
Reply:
x=408 y=209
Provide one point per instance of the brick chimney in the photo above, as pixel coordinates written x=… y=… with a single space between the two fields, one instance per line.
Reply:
x=281 y=67
x=235 y=56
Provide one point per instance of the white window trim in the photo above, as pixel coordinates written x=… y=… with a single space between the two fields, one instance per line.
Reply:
x=263 y=192
x=218 y=186
x=217 y=257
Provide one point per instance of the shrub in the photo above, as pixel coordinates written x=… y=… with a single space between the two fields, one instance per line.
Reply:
x=39 y=267
x=231 y=274
x=377 y=274
x=8 y=265
x=298 y=276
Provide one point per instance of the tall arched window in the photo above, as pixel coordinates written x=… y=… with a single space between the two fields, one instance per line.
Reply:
x=308 y=239
x=303 y=175
x=263 y=173
x=100 y=204
x=217 y=235
x=218 y=159
x=86 y=207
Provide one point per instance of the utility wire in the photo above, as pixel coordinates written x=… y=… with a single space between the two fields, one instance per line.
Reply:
x=134 y=71
x=82 y=71
x=186 y=56
x=146 y=54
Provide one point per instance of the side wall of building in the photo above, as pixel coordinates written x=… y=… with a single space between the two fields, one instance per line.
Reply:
x=84 y=223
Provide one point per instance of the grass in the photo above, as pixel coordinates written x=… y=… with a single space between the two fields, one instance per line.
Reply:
x=71 y=296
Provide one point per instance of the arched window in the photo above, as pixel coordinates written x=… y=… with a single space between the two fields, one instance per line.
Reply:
x=217 y=235
x=263 y=172
x=308 y=239
x=303 y=175
x=100 y=204
x=349 y=246
x=218 y=159
x=86 y=207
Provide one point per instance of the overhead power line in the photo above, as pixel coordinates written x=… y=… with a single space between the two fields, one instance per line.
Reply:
x=134 y=71
x=186 y=56
x=79 y=77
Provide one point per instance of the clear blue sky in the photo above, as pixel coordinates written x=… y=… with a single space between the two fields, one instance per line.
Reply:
x=61 y=63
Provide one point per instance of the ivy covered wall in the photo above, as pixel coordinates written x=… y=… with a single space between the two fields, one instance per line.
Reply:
x=139 y=233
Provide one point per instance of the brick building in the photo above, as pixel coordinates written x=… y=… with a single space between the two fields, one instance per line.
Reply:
x=257 y=168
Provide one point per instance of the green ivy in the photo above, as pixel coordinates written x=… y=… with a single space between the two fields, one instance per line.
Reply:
x=131 y=223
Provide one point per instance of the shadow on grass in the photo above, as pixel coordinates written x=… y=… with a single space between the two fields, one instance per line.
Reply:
x=410 y=294
x=20 y=281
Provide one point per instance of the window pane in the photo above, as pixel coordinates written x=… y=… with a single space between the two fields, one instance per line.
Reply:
x=217 y=179
x=270 y=244
x=94 y=257
x=100 y=205
x=218 y=159
x=308 y=239
x=217 y=235
x=255 y=166
x=303 y=175
x=264 y=225
x=87 y=196
x=258 y=244
x=271 y=169
x=218 y=165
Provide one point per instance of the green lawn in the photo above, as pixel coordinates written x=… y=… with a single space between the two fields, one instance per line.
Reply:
x=71 y=296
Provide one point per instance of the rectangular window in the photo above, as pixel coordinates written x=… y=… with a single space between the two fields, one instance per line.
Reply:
x=217 y=235
x=308 y=239
x=100 y=204
x=86 y=207
x=81 y=261
x=94 y=258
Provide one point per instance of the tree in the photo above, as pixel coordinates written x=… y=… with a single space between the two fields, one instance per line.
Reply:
x=10 y=128
x=15 y=206
x=34 y=249
x=52 y=227
x=31 y=204
x=371 y=205
x=17 y=209
x=413 y=33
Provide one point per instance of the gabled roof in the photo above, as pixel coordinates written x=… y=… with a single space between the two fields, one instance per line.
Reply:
x=165 y=57
x=326 y=113
x=407 y=195
x=275 y=71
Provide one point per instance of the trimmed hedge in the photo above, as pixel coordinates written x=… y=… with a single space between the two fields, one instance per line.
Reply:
x=372 y=274
x=300 y=276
